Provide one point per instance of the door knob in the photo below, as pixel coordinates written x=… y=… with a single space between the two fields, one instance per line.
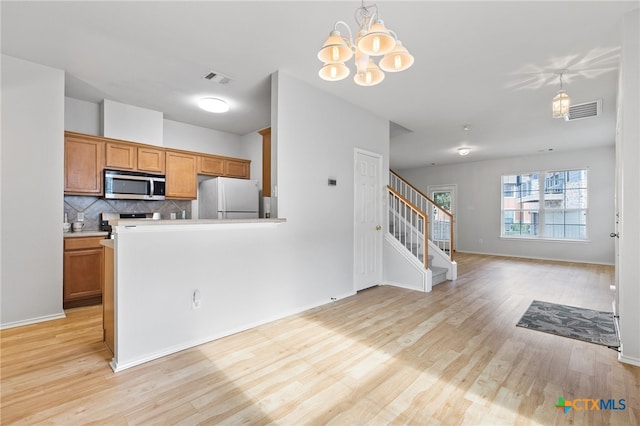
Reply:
x=614 y=235
x=378 y=228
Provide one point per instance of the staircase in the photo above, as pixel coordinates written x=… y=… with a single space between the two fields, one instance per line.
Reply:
x=412 y=215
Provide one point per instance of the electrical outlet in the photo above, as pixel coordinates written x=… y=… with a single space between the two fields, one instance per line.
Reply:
x=80 y=217
x=195 y=299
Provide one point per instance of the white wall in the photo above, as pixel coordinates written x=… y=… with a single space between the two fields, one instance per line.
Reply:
x=316 y=135
x=251 y=145
x=629 y=204
x=199 y=139
x=252 y=150
x=32 y=185
x=479 y=204
x=86 y=117
x=248 y=276
x=131 y=123
x=81 y=116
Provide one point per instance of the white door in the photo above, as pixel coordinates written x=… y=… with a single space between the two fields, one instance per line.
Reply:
x=368 y=220
x=439 y=226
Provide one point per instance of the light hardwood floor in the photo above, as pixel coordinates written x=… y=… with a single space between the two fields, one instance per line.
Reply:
x=384 y=356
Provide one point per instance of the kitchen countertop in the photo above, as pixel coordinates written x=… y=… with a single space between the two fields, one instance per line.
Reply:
x=85 y=234
x=181 y=222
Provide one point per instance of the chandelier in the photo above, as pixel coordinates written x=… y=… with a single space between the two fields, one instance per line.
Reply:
x=561 y=103
x=372 y=39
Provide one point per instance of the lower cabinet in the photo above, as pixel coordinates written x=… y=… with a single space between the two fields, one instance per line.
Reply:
x=83 y=271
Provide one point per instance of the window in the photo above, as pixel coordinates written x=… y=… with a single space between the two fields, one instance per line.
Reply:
x=550 y=204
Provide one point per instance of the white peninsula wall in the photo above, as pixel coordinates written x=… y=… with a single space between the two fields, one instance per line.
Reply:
x=247 y=276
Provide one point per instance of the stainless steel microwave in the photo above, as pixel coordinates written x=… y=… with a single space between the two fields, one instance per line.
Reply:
x=125 y=185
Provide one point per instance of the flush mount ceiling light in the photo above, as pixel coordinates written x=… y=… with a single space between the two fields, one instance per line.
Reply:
x=464 y=151
x=561 y=103
x=213 y=105
x=372 y=39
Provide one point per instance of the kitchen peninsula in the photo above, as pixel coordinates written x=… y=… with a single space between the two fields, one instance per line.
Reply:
x=181 y=283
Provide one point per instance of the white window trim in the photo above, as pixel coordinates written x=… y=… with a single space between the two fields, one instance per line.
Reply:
x=541 y=210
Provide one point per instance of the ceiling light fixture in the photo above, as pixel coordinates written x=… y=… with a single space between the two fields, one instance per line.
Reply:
x=464 y=151
x=213 y=105
x=561 y=103
x=372 y=39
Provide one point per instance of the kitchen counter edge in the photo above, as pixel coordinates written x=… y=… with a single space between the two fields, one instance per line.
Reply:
x=85 y=234
x=186 y=222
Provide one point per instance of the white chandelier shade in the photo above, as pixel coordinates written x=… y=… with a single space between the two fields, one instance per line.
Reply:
x=334 y=71
x=335 y=49
x=399 y=59
x=371 y=76
x=373 y=39
x=377 y=41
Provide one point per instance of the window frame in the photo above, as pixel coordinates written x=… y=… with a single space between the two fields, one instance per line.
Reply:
x=541 y=210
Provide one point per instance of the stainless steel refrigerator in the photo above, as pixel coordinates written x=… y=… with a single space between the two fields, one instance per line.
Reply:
x=228 y=198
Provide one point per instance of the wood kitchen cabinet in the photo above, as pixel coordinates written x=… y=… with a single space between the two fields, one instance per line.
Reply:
x=237 y=168
x=83 y=271
x=182 y=179
x=151 y=160
x=213 y=165
x=83 y=164
x=210 y=165
x=266 y=161
x=134 y=157
x=86 y=157
x=120 y=156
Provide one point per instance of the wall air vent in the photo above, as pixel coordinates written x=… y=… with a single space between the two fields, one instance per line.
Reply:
x=219 y=78
x=584 y=110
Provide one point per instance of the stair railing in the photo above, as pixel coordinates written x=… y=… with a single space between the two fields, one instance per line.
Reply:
x=410 y=225
x=441 y=220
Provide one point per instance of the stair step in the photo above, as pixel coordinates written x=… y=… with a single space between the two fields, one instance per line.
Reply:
x=438 y=275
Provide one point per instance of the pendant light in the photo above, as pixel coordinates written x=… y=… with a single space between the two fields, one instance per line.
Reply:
x=561 y=103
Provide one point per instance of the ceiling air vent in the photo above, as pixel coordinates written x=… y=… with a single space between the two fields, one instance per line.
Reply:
x=217 y=77
x=584 y=110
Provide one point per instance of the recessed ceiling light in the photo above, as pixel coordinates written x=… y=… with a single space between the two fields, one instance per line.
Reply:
x=213 y=105
x=464 y=151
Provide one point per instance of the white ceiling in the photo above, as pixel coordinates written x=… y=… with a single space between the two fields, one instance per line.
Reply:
x=487 y=64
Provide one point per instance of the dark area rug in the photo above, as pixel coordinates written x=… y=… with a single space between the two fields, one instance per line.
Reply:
x=568 y=321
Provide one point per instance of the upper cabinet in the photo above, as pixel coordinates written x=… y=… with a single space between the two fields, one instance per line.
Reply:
x=182 y=179
x=86 y=156
x=120 y=156
x=237 y=168
x=214 y=165
x=210 y=165
x=151 y=160
x=134 y=157
x=83 y=164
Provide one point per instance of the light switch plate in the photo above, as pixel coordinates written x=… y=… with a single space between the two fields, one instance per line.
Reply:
x=80 y=217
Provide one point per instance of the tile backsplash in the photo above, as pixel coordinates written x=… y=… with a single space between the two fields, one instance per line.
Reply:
x=93 y=206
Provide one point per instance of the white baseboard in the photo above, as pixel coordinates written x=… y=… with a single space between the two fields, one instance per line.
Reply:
x=32 y=321
x=628 y=360
x=401 y=285
x=535 y=258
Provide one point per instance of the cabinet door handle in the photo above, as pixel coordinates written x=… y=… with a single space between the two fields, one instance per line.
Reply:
x=614 y=235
